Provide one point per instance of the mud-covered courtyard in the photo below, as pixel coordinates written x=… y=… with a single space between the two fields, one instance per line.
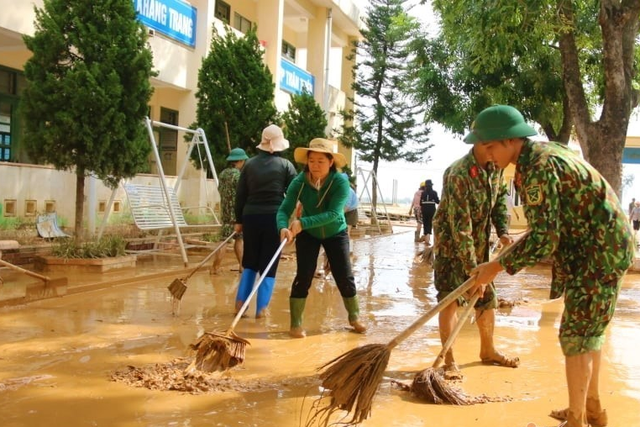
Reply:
x=60 y=358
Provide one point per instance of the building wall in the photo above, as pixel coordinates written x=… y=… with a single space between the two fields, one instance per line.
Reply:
x=301 y=23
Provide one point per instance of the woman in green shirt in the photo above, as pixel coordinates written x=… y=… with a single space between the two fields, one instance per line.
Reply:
x=322 y=193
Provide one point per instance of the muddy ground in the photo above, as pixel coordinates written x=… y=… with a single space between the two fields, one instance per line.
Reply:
x=59 y=357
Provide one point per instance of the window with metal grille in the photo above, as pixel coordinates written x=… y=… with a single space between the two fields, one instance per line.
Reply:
x=222 y=11
x=288 y=51
x=241 y=23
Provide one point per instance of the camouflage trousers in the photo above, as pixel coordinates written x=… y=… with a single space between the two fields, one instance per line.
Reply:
x=449 y=275
x=589 y=304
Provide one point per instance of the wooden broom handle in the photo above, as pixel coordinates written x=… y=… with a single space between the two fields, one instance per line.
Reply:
x=208 y=257
x=457 y=293
x=461 y=321
x=257 y=285
x=22 y=270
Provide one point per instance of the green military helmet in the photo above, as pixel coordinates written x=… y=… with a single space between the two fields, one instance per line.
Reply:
x=237 y=154
x=497 y=123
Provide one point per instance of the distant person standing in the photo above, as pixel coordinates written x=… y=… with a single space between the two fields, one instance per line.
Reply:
x=635 y=219
x=227 y=188
x=351 y=207
x=416 y=210
x=632 y=205
x=428 y=202
x=263 y=182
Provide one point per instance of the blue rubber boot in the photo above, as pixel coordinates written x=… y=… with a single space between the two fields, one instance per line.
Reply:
x=245 y=286
x=264 y=296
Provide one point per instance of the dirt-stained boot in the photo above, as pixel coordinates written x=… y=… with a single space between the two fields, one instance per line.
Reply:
x=296 y=309
x=353 y=308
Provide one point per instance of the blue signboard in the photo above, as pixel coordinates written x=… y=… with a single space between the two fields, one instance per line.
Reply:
x=173 y=18
x=295 y=79
x=631 y=155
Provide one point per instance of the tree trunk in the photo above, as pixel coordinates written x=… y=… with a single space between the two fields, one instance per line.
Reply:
x=79 y=203
x=603 y=141
x=605 y=151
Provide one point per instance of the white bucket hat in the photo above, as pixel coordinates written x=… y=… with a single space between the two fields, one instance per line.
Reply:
x=273 y=140
x=320 y=145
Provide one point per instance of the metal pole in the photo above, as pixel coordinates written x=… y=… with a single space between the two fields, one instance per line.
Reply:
x=163 y=182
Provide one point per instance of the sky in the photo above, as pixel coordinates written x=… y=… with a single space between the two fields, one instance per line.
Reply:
x=448 y=148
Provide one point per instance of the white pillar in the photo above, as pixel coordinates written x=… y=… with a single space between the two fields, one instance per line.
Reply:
x=317 y=47
x=270 y=30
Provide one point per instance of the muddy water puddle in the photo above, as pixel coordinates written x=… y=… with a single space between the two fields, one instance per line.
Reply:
x=58 y=357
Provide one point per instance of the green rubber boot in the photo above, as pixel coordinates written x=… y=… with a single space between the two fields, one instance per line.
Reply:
x=353 y=308
x=296 y=308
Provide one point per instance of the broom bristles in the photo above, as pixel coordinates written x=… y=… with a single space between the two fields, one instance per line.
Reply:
x=218 y=352
x=352 y=381
x=431 y=386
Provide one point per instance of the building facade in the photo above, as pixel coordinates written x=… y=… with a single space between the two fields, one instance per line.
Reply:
x=305 y=46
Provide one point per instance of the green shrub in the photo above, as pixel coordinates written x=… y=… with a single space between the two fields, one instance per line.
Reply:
x=212 y=237
x=107 y=247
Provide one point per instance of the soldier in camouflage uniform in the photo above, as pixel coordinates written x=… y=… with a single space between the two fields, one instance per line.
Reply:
x=576 y=219
x=227 y=188
x=473 y=198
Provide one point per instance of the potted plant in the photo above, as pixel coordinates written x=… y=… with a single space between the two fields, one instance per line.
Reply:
x=102 y=255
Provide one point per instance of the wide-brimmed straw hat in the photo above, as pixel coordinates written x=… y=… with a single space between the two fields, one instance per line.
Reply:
x=320 y=145
x=273 y=140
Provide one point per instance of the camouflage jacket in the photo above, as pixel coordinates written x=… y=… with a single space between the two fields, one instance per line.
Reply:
x=228 y=183
x=473 y=198
x=574 y=217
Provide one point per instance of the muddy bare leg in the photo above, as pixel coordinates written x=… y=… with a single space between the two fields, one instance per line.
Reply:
x=486 y=320
x=447 y=320
x=238 y=248
x=579 y=370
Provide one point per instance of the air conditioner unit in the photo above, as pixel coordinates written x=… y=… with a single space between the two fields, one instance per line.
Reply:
x=152 y=32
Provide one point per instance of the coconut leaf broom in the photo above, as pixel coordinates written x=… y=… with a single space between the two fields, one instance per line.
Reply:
x=430 y=385
x=352 y=379
x=220 y=351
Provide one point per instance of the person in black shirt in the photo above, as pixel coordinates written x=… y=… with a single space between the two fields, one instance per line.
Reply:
x=263 y=182
x=428 y=202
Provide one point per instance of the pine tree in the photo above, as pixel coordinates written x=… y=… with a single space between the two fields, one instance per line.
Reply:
x=387 y=123
x=304 y=120
x=88 y=91
x=235 y=95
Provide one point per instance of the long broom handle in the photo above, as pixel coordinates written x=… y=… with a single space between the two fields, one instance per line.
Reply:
x=468 y=284
x=208 y=257
x=22 y=270
x=461 y=321
x=257 y=285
